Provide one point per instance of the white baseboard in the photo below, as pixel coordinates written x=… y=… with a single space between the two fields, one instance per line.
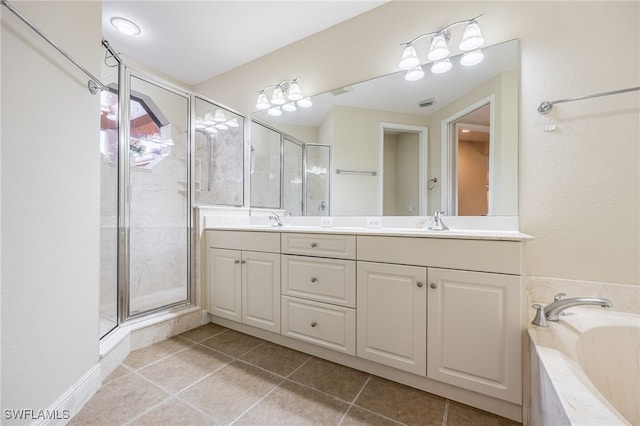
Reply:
x=73 y=399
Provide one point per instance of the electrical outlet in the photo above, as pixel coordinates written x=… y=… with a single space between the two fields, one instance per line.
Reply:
x=374 y=222
x=326 y=222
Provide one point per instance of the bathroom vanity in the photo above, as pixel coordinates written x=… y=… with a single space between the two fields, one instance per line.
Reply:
x=442 y=312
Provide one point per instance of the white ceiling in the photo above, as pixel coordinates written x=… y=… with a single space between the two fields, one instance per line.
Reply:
x=193 y=41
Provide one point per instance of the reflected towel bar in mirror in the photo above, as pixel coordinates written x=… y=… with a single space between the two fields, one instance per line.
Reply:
x=357 y=172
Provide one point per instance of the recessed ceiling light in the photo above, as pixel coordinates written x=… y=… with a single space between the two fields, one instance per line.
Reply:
x=125 y=26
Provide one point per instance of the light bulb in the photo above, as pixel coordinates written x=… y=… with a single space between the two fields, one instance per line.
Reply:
x=278 y=96
x=472 y=37
x=472 y=58
x=219 y=116
x=233 y=122
x=294 y=93
x=289 y=107
x=439 y=49
x=304 y=102
x=409 y=58
x=263 y=101
x=199 y=124
x=414 y=74
x=208 y=119
x=441 y=66
x=221 y=126
x=274 y=111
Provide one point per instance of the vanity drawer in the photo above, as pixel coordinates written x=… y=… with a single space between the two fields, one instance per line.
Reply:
x=473 y=255
x=331 y=326
x=244 y=240
x=324 y=280
x=323 y=245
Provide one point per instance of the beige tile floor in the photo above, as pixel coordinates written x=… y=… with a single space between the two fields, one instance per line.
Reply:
x=216 y=376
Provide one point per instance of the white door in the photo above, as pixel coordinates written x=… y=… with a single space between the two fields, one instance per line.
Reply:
x=392 y=315
x=261 y=290
x=474 y=332
x=225 y=291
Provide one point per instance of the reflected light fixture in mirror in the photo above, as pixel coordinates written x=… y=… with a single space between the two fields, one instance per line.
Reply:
x=439 y=50
x=285 y=96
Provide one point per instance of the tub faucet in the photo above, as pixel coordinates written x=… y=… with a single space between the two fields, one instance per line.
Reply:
x=275 y=220
x=553 y=310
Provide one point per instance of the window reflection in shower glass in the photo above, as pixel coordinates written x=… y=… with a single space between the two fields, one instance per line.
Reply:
x=265 y=167
x=159 y=197
x=292 y=178
x=219 y=155
x=317 y=179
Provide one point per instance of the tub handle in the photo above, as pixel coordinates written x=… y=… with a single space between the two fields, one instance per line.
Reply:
x=540 y=319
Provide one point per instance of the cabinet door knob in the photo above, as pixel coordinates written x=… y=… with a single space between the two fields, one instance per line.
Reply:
x=243 y=262
x=313 y=324
x=433 y=285
x=314 y=245
x=236 y=261
x=419 y=283
x=314 y=279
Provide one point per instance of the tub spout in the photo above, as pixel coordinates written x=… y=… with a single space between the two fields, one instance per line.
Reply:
x=553 y=310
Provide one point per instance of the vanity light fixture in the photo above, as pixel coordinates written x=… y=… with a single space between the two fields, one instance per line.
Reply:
x=125 y=26
x=285 y=96
x=211 y=122
x=439 y=51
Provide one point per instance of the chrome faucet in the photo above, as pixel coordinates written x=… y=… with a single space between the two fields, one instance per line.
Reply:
x=275 y=219
x=552 y=311
x=437 y=224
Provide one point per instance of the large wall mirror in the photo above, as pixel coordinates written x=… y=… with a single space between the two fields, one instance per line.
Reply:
x=462 y=125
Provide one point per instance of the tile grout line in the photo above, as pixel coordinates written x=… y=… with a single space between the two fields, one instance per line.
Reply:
x=446 y=413
x=258 y=401
x=344 y=415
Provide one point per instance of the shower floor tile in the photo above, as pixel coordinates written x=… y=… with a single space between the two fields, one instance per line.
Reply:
x=212 y=375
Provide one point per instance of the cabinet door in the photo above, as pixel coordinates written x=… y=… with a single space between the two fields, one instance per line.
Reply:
x=225 y=291
x=474 y=332
x=261 y=290
x=392 y=315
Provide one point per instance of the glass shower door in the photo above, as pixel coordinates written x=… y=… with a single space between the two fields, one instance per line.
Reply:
x=292 y=178
x=158 y=212
x=317 y=173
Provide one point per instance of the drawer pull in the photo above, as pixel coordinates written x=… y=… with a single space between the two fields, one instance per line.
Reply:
x=433 y=286
x=420 y=284
x=313 y=324
x=314 y=245
x=314 y=279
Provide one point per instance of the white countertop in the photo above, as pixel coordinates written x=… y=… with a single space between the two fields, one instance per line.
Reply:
x=394 y=232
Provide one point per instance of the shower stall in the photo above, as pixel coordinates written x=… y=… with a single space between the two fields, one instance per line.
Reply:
x=162 y=151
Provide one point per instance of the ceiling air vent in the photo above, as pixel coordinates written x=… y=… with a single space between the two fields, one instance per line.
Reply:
x=427 y=102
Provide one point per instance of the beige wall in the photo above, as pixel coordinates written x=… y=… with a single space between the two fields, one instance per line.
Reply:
x=50 y=203
x=578 y=186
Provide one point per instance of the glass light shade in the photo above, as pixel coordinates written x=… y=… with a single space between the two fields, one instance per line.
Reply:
x=125 y=26
x=233 y=123
x=219 y=116
x=274 y=111
x=211 y=130
x=414 y=74
x=441 y=66
x=289 y=107
x=294 y=93
x=208 y=119
x=304 y=102
x=263 y=101
x=221 y=126
x=409 y=58
x=472 y=58
x=199 y=124
x=278 y=96
x=471 y=38
x=439 y=49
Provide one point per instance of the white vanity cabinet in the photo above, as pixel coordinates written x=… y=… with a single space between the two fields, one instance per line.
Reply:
x=319 y=290
x=244 y=285
x=392 y=315
x=474 y=332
